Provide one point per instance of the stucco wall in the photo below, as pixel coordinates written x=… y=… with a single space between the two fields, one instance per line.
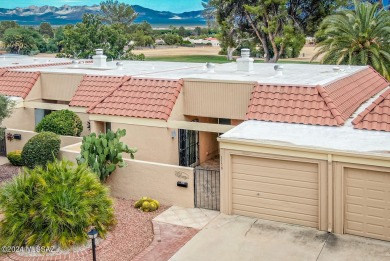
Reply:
x=208 y=146
x=155 y=180
x=58 y=86
x=26 y=135
x=154 y=144
x=21 y=118
x=84 y=117
x=150 y=179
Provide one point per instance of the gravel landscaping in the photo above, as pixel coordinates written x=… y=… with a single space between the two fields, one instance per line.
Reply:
x=7 y=171
x=132 y=233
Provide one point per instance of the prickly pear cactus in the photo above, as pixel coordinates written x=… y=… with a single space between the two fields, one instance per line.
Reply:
x=103 y=153
x=147 y=204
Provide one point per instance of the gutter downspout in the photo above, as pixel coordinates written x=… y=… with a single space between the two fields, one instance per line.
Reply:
x=330 y=193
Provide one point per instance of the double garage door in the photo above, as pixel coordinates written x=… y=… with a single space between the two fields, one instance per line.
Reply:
x=367 y=203
x=279 y=190
x=288 y=191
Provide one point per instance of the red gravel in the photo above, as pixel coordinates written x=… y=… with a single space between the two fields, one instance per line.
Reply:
x=7 y=171
x=132 y=234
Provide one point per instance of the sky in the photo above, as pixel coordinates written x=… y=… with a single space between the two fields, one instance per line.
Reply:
x=176 y=6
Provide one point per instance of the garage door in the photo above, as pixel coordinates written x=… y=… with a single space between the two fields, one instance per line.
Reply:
x=279 y=190
x=367 y=203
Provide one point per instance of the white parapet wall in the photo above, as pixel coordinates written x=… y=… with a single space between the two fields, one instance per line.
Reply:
x=143 y=178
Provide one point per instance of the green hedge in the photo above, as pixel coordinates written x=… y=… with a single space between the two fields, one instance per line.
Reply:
x=15 y=158
x=41 y=149
x=62 y=122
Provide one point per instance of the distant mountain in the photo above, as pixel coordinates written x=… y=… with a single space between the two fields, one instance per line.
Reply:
x=66 y=14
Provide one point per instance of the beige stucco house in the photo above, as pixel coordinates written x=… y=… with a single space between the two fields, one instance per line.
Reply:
x=299 y=143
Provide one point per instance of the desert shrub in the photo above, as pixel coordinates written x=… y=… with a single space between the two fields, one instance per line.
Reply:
x=147 y=204
x=41 y=149
x=15 y=158
x=62 y=122
x=103 y=153
x=54 y=206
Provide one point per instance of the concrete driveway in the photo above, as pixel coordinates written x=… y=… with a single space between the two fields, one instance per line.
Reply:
x=239 y=238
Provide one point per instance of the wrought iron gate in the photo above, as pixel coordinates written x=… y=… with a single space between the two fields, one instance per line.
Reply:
x=207 y=188
x=3 y=149
x=188 y=148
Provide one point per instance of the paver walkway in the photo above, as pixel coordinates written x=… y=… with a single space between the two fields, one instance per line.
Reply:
x=173 y=229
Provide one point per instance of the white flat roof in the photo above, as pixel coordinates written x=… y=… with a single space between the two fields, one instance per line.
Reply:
x=293 y=74
x=7 y=60
x=343 y=138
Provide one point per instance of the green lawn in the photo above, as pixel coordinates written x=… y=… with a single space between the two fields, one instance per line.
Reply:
x=206 y=58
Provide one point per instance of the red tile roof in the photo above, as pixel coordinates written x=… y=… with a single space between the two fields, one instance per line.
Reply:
x=141 y=98
x=293 y=104
x=15 y=83
x=376 y=116
x=94 y=89
x=349 y=93
x=330 y=105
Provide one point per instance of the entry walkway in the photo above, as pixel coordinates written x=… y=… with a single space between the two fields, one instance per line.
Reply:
x=173 y=229
x=231 y=238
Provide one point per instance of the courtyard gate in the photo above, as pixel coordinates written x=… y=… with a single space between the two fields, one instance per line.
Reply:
x=207 y=188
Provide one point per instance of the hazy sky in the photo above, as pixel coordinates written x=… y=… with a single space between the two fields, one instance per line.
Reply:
x=162 y=5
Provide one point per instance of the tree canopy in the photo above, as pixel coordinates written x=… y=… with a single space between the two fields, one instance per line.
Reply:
x=357 y=37
x=114 y=12
x=81 y=40
x=279 y=26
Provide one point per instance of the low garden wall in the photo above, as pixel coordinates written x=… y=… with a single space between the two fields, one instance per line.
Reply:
x=26 y=135
x=142 y=178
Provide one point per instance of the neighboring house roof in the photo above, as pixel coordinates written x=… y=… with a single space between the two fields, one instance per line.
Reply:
x=141 y=98
x=376 y=116
x=93 y=89
x=15 y=83
x=330 y=105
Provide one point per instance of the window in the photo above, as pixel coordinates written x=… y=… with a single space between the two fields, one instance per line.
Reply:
x=40 y=114
x=224 y=121
x=107 y=126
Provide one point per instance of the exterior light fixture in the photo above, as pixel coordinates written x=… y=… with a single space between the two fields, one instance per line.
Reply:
x=173 y=134
x=93 y=235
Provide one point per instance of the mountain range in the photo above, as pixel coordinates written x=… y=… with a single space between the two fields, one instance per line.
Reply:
x=66 y=14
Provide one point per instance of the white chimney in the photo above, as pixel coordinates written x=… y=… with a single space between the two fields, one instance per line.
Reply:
x=245 y=63
x=99 y=60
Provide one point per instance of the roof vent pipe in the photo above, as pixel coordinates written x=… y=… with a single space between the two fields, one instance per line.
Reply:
x=245 y=63
x=210 y=67
x=119 y=65
x=99 y=60
x=279 y=69
x=75 y=63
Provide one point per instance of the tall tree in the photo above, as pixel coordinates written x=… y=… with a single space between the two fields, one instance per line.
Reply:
x=45 y=29
x=357 y=37
x=81 y=40
x=114 y=12
x=277 y=25
x=19 y=40
x=4 y=25
x=6 y=107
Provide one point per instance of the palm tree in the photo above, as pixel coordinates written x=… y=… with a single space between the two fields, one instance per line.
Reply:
x=357 y=37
